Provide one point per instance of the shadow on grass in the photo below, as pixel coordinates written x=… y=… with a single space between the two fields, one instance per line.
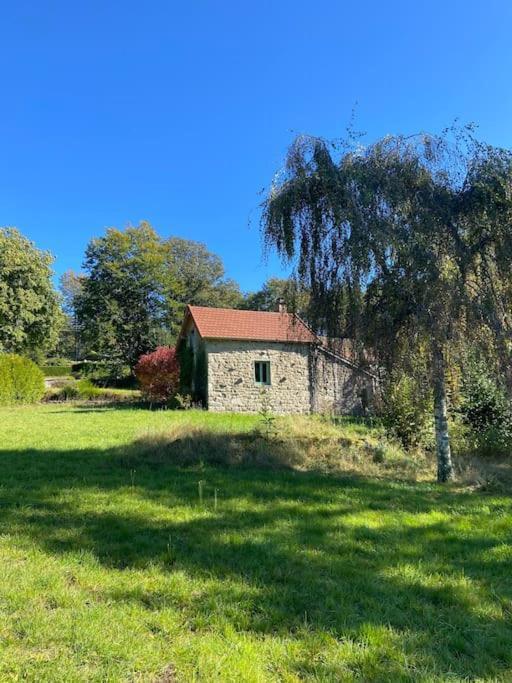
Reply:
x=284 y=551
x=97 y=406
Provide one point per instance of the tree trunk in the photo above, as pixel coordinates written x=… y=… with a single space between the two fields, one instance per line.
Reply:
x=444 y=457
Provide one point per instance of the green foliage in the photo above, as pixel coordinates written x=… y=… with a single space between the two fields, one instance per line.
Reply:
x=69 y=392
x=71 y=286
x=267 y=417
x=421 y=224
x=21 y=381
x=56 y=370
x=183 y=402
x=186 y=363
x=120 y=307
x=30 y=314
x=494 y=442
x=85 y=390
x=407 y=409
x=485 y=408
x=296 y=297
x=200 y=376
x=70 y=341
x=193 y=372
x=198 y=278
x=136 y=287
x=484 y=403
x=105 y=373
x=57 y=360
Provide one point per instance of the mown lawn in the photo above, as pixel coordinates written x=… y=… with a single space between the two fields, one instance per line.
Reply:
x=112 y=570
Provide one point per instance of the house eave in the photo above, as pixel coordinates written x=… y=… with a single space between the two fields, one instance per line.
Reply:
x=258 y=339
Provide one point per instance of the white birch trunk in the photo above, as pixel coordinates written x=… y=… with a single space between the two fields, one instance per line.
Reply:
x=444 y=457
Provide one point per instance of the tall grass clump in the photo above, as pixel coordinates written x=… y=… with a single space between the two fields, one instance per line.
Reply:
x=298 y=443
x=21 y=381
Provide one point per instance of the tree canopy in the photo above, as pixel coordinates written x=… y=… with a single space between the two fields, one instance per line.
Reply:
x=121 y=307
x=70 y=343
x=198 y=278
x=419 y=225
x=265 y=299
x=30 y=316
x=135 y=288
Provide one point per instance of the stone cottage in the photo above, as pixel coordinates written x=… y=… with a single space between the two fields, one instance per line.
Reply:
x=245 y=353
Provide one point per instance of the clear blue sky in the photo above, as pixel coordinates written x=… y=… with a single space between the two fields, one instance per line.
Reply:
x=180 y=113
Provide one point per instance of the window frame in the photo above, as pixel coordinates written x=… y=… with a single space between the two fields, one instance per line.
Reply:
x=259 y=365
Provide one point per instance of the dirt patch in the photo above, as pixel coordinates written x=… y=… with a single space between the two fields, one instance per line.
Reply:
x=168 y=675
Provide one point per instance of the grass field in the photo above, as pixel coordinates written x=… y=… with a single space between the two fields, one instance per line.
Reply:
x=113 y=569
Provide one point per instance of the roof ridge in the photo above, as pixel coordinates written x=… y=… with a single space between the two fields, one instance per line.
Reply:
x=244 y=310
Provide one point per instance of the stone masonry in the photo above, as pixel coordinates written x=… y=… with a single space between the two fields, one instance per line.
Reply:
x=303 y=379
x=231 y=384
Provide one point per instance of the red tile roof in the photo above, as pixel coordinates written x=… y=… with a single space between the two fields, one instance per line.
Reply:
x=227 y=323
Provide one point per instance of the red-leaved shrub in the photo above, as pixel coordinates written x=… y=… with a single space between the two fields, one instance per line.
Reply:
x=158 y=374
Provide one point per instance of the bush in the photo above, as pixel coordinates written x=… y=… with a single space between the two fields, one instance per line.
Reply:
x=56 y=370
x=494 y=442
x=193 y=372
x=87 y=390
x=49 y=362
x=21 y=381
x=159 y=374
x=484 y=403
x=407 y=409
x=69 y=392
x=485 y=409
x=104 y=373
x=84 y=390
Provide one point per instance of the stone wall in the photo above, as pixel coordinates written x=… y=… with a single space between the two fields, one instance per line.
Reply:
x=231 y=383
x=303 y=379
x=339 y=387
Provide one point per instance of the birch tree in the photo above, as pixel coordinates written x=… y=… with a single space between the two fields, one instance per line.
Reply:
x=421 y=225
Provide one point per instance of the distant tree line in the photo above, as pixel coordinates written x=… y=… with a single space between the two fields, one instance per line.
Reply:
x=128 y=299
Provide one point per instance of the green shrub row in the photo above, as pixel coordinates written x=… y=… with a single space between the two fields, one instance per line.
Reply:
x=57 y=361
x=105 y=373
x=85 y=390
x=56 y=370
x=21 y=381
x=73 y=390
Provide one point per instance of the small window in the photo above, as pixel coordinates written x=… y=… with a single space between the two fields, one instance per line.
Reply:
x=262 y=371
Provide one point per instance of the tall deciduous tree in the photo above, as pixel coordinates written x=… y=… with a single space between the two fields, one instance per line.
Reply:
x=198 y=278
x=30 y=317
x=121 y=308
x=265 y=299
x=71 y=287
x=420 y=225
x=136 y=286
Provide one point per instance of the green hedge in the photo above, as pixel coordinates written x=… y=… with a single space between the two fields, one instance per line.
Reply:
x=56 y=370
x=21 y=381
x=58 y=361
x=105 y=373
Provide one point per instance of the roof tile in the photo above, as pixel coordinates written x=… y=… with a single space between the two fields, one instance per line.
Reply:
x=227 y=323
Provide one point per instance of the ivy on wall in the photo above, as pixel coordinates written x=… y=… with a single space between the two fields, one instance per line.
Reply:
x=193 y=372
